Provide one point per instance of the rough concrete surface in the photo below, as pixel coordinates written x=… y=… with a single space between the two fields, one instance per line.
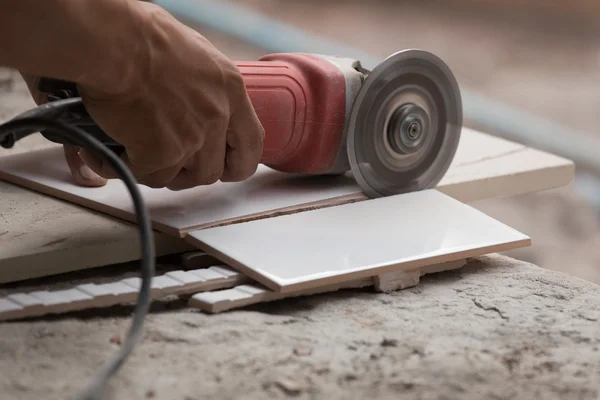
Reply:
x=496 y=329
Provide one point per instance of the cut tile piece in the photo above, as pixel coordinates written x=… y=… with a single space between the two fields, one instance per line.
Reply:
x=85 y=296
x=208 y=273
x=124 y=293
x=72 y=300
x=165 y=285
x=352 y=241
x=190 y=282
x=224 y=270
x=31 y=305
x=398 y=280
x=102 y=297
x=218 y=277
x=9 y=309
x=484 y=167
x=245 y=295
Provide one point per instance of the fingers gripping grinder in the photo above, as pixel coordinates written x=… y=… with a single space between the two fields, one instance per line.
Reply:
x=396 y=128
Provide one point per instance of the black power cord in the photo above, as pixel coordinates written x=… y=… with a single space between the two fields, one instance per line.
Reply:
x=23 y=126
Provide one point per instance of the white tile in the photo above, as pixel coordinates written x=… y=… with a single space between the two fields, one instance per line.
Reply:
x=120 y=289
x=175 y=212
x=93 y=289
x=108 y=294
x=245 y=295
x=48 y=298
x=224 y=270
x=25 y=299
x=357 y=240
x=10 y=309
x=184 y=277
x=228 y=295
x=251 y=289
x=73 y=299
x=166 y=285
x=101 y=295
x=208 y=274
x=62 y=300
x=135 y=282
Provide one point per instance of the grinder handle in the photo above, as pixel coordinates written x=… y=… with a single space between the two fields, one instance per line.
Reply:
x=300 y=100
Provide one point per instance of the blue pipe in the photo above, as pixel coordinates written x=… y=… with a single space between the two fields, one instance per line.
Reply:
x=497 y=118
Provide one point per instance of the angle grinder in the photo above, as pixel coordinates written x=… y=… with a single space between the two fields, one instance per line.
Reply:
x=396 y=128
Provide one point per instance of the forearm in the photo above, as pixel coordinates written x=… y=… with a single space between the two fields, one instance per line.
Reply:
x=91 y=42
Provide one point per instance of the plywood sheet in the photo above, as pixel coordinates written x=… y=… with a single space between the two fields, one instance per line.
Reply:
x=484 y=167
x=353 y=241
x=41 y=236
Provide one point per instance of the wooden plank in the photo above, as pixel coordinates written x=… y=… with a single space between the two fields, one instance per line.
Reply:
x=484 y=167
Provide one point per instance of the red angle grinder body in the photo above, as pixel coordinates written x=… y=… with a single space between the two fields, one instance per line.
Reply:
x=300 y=99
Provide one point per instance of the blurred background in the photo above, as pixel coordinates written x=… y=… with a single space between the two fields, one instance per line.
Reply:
x=539 y=57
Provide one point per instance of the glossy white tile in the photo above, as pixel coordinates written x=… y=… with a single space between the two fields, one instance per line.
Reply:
x=352 y=241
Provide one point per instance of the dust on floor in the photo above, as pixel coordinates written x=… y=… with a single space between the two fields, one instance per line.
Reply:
x=453 y=336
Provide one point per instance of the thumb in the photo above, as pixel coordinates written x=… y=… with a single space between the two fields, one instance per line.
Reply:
x=82 y=174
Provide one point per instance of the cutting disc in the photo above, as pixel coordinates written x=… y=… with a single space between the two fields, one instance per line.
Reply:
x=405 y=124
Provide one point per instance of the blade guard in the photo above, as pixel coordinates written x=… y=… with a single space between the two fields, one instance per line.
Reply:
x=405 y=125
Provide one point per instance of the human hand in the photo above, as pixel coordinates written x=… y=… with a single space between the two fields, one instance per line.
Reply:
x=183 y=116
x=178 y=106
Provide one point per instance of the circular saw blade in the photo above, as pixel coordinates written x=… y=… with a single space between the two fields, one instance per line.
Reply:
x=405 y=124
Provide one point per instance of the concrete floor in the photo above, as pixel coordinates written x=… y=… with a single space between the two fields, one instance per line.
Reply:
x=495 y=329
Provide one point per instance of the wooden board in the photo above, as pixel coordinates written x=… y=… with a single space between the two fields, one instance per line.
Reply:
x=484 y=167
x=41 y=236
x=352 y=241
